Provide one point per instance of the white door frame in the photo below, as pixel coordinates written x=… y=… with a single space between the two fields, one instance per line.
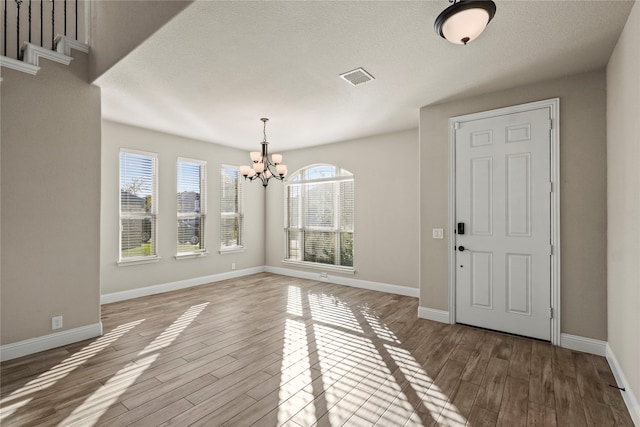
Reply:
x=554 y=111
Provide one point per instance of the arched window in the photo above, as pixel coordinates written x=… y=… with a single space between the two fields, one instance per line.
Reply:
x=319 y=216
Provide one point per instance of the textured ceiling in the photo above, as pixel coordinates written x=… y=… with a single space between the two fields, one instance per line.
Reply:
x=219 y=66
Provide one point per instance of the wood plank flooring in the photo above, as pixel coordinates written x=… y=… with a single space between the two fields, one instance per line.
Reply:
x=270 y=350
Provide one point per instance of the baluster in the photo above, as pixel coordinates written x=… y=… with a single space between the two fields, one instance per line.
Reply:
x=29 y=21
x=53 y=23
x=5 y=29
x=18 y=3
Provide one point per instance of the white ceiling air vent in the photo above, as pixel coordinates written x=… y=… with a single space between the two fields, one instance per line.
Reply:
x=357 y=76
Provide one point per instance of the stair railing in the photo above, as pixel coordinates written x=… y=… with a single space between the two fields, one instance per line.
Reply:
x=47 y=18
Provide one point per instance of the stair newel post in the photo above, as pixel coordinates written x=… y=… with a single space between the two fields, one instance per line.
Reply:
x=53 y=24
x=18 y=3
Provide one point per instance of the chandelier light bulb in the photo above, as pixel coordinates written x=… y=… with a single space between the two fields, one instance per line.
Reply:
x=255 y=156
x=277 y=159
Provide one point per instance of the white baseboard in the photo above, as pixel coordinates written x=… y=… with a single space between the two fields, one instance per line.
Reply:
x=628 y=395
x=347 y=281
x=441 y=316
x=180 y=284
x=46 y=342
x=587 y=345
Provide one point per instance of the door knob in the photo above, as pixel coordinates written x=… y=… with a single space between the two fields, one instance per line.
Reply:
x=462 y=248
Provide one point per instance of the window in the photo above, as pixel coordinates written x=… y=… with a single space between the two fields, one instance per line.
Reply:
x=191 y=206
x=231 y=216
x=319 y=216
x=138 y=205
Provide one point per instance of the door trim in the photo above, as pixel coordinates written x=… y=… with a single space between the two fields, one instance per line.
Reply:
x=554 y=114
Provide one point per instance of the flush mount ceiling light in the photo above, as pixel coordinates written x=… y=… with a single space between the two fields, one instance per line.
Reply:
x=464 y=20
x=262 y=167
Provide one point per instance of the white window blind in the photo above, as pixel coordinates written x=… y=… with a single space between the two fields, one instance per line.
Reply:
x=319 y=216
x=191 y=205
x=231 y=215
x=138 y=205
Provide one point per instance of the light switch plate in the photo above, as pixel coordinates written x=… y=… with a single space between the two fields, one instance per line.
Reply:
x=438 y=233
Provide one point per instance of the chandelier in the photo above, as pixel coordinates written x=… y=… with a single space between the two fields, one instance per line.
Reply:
x=263 y=168
x=464 y=20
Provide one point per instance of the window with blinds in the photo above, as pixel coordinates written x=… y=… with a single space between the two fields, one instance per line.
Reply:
x=231 y=215
x=191 y=205
x=138 y=205
x=319 y=216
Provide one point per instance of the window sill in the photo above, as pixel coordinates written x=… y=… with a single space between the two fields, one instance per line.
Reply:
x=137 y=261
x=233 y=250
x=191 y=255
x=317 y=266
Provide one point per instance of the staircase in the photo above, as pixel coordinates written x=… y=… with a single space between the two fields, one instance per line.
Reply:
x=35 y=29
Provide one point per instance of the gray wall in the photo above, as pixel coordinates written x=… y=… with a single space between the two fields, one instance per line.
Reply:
x=50 y=199
x=583 y=169
x=116 y=278
x=385 y=169
x=118 y=27
x=623 y=202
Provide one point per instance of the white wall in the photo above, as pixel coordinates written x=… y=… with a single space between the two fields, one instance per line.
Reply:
x=116 y=278
x=385 y=169
x=50 y=129
x=117 y=28
x=583 y=215
x=623 y=204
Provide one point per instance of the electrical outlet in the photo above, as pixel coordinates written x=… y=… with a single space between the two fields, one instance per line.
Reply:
x=438 y=233
x=233 y=265
x=56 y=322
x=323 y=275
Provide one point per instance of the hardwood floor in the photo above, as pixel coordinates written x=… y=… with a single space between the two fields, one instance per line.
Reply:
x=269 y=350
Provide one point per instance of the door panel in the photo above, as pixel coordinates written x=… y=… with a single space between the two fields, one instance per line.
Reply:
x=482 y=279
x=519 y=284
x=482 y=196
x=519 y=195
x=502 y=195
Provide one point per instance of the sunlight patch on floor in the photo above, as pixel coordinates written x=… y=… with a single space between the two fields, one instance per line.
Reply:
x=90 y=411
x=332 y=311
x=358 y=381
x=61 y=370
x=294 y=301
x=382 y=331
x=430 y=396
x=295 y=343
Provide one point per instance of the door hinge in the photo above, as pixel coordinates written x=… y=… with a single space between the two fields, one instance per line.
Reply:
x=550 y=124
x=456 y=125
x=550 y=249
x=550 y=187
x=550 y=312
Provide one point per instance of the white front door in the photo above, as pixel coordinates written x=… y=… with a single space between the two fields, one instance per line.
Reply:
x=503 y=268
